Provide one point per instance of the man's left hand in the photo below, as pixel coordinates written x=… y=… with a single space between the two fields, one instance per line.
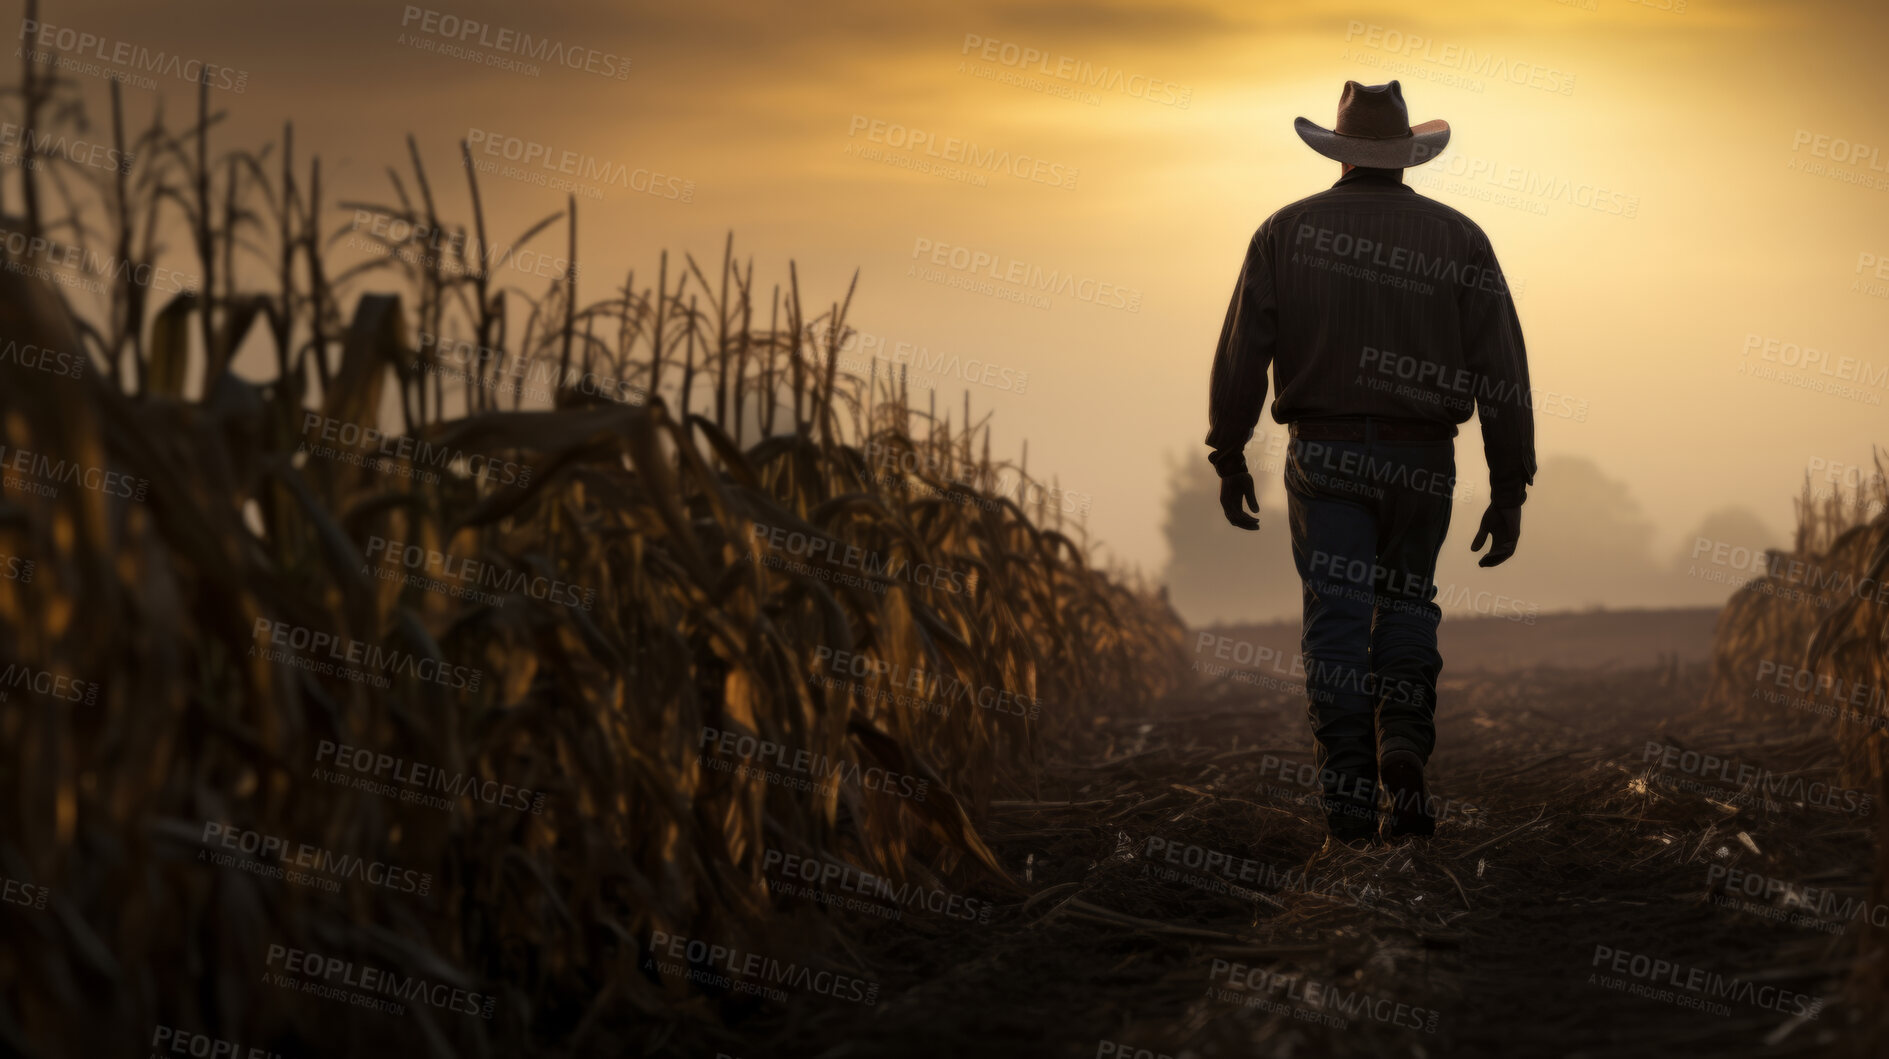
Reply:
x=1505 y=525
x=1235 y=488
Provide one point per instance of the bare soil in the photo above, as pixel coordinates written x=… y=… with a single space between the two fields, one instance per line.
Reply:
x=1181 y=908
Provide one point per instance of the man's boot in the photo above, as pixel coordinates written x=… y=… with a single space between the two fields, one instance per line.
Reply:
x=1350 y=802
x=1401 y=772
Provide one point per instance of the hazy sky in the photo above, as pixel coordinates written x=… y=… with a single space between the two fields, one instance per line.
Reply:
x=1707 y=123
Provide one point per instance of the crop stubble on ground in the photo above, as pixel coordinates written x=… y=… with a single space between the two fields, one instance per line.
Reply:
x=1560 y=838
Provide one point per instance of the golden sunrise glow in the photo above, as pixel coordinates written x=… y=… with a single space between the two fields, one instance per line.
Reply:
x=1703 y=114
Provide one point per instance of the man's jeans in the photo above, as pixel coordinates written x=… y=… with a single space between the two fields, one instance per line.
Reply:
x=1368 y=519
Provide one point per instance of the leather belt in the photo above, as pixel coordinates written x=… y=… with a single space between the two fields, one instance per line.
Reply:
x=1358 y=428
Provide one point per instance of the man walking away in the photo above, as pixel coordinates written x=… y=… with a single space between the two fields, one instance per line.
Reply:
x=1385 y=320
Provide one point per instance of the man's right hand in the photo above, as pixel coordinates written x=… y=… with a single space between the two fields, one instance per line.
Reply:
x=1235 y=488
x=1505 y=525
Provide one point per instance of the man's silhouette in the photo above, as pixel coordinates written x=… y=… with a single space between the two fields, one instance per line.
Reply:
x=1385 y=320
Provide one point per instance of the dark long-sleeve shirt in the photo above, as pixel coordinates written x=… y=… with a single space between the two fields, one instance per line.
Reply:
x=1369 y=299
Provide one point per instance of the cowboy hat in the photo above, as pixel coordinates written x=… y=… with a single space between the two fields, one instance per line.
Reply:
x=1374 y=130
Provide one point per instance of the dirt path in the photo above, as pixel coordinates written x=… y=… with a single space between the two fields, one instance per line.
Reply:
x=1174 y=913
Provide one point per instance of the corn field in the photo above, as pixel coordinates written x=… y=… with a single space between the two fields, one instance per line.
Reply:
x=1810 y=635
x=222 y=589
